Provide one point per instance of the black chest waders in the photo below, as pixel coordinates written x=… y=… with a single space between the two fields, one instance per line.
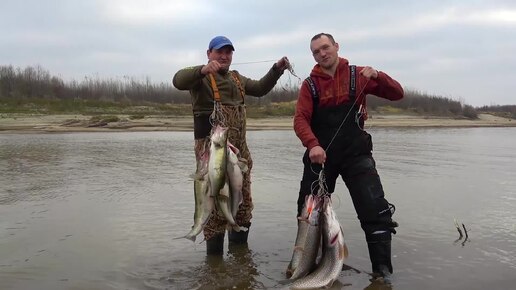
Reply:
x=349 y=154
x=337 y=128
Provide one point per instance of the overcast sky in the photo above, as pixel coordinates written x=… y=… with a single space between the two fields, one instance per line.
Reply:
x=464 y=50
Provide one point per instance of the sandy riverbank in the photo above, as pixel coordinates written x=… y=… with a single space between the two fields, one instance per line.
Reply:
x=78 y=123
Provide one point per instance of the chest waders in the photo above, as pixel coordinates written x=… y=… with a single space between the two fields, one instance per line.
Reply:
x=349 y=154
x=235 y=119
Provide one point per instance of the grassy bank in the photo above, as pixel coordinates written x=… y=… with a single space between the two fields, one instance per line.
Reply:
x=41 y=106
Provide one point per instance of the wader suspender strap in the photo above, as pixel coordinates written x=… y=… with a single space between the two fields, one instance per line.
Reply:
x=352 y=82
x=352 y=87
x=238 y=83
x=313 y=91
x=216 y=94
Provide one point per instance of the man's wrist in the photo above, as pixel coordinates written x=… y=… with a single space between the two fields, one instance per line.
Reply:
x=277 y=69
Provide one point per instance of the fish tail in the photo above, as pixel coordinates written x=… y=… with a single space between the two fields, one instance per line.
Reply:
x=238 y=228
x=303 y=219
x=188 y=237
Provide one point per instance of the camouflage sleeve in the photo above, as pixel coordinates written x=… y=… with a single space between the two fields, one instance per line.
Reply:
x=188 y=78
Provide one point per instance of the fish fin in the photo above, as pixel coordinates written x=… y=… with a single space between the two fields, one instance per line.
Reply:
x=191 y=238
x=289 y=272
x=243 y=166
x=303 y=219
x=198 y=175
x=285 y=281
x=224 y=192
x=343 y=253
x=233 y=148
x=298 y=248
x=236 y=228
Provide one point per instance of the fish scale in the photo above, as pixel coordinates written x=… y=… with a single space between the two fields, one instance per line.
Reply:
x=334 y=253
x=217 y=175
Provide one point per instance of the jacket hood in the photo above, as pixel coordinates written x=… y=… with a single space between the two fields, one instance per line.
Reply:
x=318 y=72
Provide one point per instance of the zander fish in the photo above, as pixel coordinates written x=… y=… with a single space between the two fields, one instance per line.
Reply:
x=217 y=164
x=222 y=202
x=334 y=253
x=235 y=170
x=204 y=203
x=217 y=175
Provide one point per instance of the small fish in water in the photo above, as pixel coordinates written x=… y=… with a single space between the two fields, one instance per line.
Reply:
x=335 y=252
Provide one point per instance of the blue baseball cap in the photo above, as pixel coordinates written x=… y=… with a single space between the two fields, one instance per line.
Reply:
x=220 y=41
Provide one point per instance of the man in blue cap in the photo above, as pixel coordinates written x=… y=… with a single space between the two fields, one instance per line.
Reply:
x=214 y=85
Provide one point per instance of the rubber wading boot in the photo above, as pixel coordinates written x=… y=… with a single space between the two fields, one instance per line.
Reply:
x=239 y=237
x=215 y=245
x=380 y=255
x=238 y=251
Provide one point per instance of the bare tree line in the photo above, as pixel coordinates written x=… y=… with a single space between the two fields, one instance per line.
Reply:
x=17 y=84
x=35 y=82
x=508 y=111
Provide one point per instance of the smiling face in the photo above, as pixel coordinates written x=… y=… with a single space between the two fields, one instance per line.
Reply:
x=223 y=55
x=325 y=52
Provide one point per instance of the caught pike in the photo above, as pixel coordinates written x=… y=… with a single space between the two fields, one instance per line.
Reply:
x=334 y=253
x=204 y=203
x=307 y=240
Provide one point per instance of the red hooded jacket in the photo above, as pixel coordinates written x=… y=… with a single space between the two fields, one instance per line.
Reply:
x=335 y=91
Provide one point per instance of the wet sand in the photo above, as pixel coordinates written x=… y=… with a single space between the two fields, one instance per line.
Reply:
x=11 y=123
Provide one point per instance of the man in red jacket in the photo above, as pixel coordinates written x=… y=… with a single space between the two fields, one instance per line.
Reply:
x=329 y=119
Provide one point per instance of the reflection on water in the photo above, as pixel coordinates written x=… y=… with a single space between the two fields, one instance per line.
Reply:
x=236 y=270
x=100 y=211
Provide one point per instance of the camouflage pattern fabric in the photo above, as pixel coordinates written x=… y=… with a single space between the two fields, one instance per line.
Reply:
x=235 y=119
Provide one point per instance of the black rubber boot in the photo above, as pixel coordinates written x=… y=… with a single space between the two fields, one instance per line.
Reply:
x=239 y=237
x=380 y=255
x=215 y=245
x=238 y=251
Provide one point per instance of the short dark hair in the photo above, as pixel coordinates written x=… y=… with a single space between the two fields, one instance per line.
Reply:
x=319 y=35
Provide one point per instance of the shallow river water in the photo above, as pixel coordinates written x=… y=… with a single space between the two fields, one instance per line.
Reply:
x=100 y=211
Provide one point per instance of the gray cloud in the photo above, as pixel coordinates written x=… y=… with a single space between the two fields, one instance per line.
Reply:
x=458 y=49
